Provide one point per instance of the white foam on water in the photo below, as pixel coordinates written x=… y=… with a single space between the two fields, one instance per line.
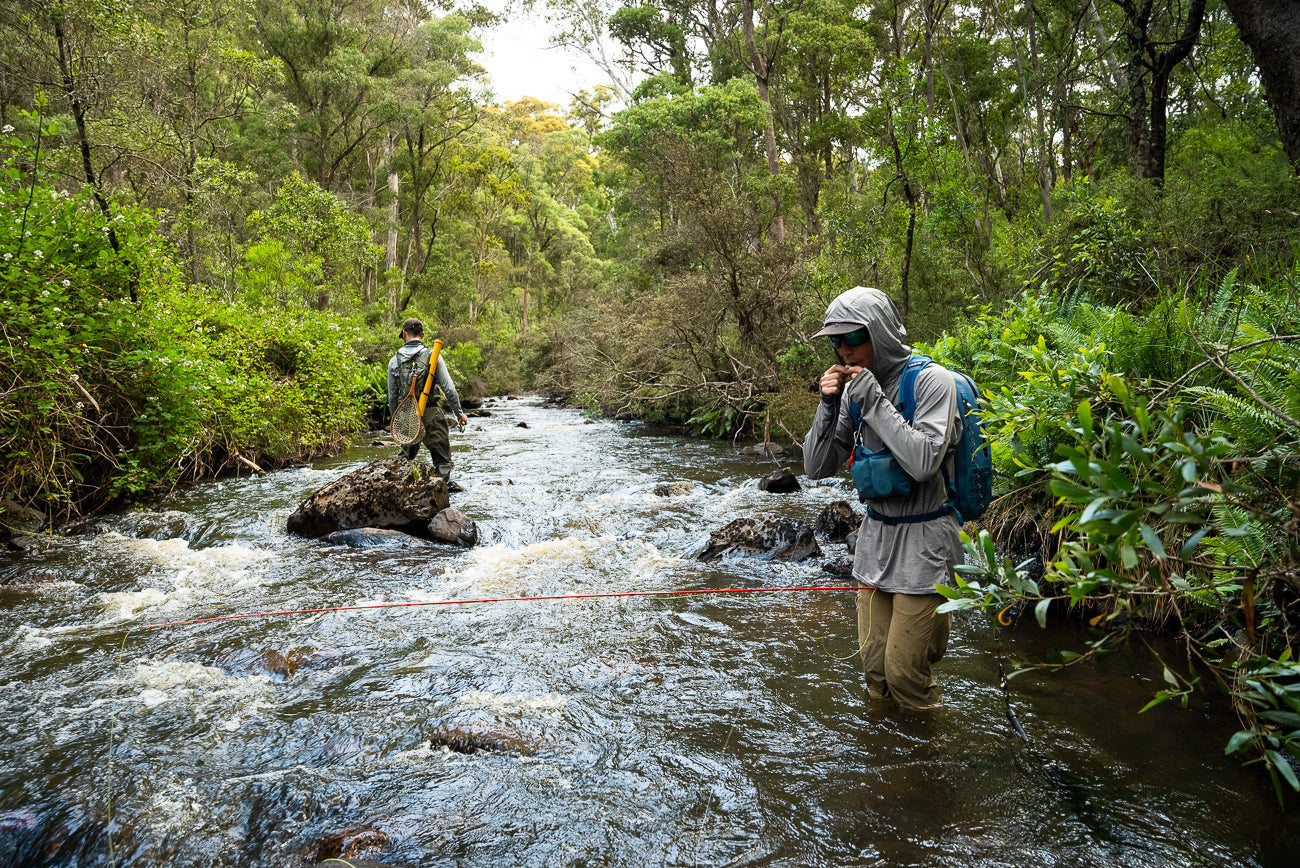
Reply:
x=192 y=683
x=419 y=754
x=193 y=574
x=512 y=701
x=187 y=674
x=129 y=605
x=505 y=569
x=33 y=638
x=152 y=698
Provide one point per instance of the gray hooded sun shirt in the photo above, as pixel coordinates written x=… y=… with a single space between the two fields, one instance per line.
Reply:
x=899 y=558
x=397 y=390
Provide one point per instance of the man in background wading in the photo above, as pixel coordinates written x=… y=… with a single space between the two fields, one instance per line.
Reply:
x=412 y=360
x=906 y=544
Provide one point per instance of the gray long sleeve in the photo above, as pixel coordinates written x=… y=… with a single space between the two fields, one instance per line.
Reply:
x=829 y=441
x=443 y=379
x=919 y=448
x=901 y=558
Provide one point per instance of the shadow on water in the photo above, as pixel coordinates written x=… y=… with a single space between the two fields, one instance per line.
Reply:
x=648 y=731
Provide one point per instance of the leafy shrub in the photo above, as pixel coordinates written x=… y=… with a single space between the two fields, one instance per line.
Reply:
x=1166 y=470
x=118 y=377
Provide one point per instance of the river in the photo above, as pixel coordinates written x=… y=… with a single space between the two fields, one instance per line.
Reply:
x=723 y=730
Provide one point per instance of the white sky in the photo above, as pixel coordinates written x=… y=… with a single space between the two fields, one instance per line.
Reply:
x=521 y=63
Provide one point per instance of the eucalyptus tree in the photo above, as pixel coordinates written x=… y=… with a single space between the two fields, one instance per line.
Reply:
x=556 y=171
x=437 y=109
x=822 y=74
x=726 y=304
x=489 y=189
x=339 y=60
x=1158 y=35
x=196 y=83
x=330 y=240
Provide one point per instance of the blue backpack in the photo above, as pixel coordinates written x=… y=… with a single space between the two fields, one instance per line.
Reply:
x=877 y=474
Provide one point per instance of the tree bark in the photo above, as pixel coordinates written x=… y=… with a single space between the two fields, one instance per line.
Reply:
x=72 y=92
x=1271 y=29
x=1044 y=175
x=1162 y=67
x=769 y=129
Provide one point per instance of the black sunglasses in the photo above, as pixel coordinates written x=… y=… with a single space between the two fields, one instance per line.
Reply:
x=853 y=339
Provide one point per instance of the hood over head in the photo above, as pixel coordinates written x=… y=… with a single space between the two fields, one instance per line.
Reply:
x=866 y=306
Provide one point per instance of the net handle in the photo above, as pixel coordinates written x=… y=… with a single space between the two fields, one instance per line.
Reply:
x=428 y=383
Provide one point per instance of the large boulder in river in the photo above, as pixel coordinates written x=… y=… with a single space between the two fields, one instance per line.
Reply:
x=453 y=527
x=774 y=536
x=18 y=520
x=394 y=494
x=837 y=521
x=781 y=481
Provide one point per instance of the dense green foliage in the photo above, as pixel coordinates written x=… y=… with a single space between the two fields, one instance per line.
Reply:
x=215 y=212
x=121 y=377
x=1156 y=481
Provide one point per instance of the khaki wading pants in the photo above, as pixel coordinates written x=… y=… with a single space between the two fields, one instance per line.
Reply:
x=900 y=636
x=437 y=439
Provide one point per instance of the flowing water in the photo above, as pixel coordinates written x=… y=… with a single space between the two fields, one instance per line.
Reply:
x=723 y=730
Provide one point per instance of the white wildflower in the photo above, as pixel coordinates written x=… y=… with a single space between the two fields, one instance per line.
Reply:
x=80 y=406
x=8 y=128
x=38 y=254
x=67 y=282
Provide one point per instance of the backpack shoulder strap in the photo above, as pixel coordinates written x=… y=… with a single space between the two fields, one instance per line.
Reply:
x=907 y=386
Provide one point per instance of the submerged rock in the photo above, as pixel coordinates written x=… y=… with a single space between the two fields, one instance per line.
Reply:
x=391 y=494
x=781 y=481
x=453 y=527
x=837 y=521
x=768 y=449
x=376 y=537
x=674 y=489
x=18 y=520
x=840 y=568
x=774 y=536
x=35 y=579
x=351 y=842
x=482 y=731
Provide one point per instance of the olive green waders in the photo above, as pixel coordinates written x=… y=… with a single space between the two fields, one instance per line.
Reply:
x=437 y=438
x=900 y=636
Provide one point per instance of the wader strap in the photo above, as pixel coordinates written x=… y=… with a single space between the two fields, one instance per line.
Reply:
x=910 y=519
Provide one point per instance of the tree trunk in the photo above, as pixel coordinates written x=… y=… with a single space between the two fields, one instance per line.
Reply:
x=390 y=259
x=71 y=92
x=1162 y=67
x=769 y=129
x=528 y=285
x=1271 y=29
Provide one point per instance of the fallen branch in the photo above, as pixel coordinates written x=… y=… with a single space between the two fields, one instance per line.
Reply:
x=85 y=394
x=244 y=461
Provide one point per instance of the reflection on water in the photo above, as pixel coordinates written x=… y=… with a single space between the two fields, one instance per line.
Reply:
x=701 y=730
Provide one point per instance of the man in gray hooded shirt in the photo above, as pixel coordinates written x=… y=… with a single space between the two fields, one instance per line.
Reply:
x=412 y=361
x=900 y=634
